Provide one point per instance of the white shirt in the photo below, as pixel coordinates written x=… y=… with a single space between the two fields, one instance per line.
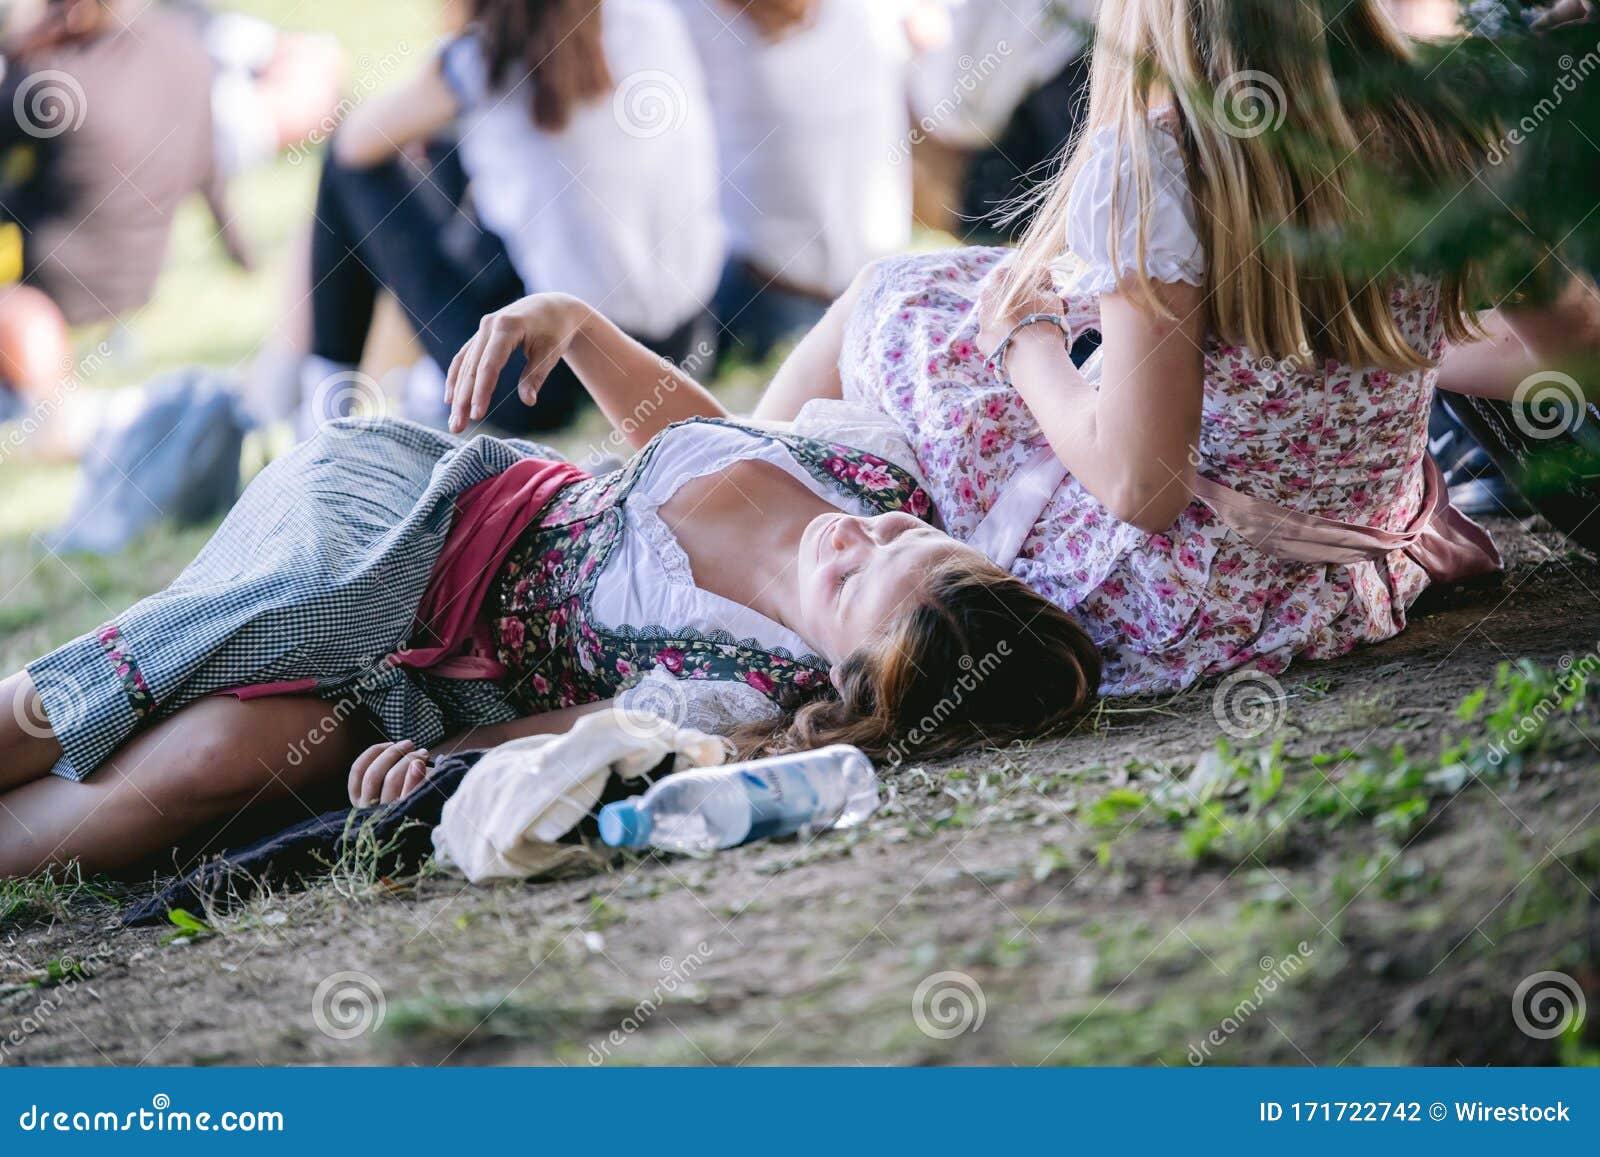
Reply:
x=965 y=93
x=620 y=207
x=648 y=581
x=812 y=133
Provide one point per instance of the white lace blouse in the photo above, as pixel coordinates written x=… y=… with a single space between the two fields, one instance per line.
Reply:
x=1105 y=204
x=648 y=579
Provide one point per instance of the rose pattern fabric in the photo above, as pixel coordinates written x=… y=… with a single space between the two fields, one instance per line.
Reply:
x=554 y=655
x=1196 y=600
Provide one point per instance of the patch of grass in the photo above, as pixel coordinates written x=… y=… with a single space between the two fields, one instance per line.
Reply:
x=361 y=871
x=1260 y=802
x=57 y=896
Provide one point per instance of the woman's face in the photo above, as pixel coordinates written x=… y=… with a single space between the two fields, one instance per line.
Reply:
x=857 y=574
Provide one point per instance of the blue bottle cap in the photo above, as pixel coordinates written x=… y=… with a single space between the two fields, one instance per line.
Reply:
x=624 y=824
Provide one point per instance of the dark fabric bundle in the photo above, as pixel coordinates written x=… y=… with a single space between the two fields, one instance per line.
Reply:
x=403 y=831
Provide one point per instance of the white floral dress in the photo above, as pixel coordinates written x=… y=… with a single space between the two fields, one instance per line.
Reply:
x=1197 y=600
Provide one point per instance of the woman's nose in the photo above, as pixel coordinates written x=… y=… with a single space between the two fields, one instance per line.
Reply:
x=885 y=528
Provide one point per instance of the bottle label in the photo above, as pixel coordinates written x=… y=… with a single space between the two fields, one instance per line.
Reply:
x=782 y=801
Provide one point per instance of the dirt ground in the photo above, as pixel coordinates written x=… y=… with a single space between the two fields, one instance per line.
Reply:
x=1092 y=899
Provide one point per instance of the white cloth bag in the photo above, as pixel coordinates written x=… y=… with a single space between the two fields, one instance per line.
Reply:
x=503 y=822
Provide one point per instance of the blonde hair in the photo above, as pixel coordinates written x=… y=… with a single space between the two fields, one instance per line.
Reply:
x=980 y=658
x=1273 y=143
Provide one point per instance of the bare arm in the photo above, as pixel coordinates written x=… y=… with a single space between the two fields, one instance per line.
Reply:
x=640 y=393
x=1131 y=442
x=386 y=123
x=556 y=722
x=389 y=770
x=812 y=369
x=1521 y=341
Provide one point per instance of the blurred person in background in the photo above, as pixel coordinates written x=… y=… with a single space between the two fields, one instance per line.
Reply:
x=582 y=162
x=810 y=108
x=105 y=129
x=272 y=88
x=997 y=91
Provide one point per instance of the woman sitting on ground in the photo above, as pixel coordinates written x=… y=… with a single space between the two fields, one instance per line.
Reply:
x=1242 y=478
x=582 y=134
x=433 y=595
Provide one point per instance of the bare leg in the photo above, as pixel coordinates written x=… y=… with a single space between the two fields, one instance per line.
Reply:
x=812 y=370
x=28 y=748
x=212 y=760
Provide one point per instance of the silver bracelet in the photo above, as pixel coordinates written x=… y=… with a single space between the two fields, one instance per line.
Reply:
x=996 y=364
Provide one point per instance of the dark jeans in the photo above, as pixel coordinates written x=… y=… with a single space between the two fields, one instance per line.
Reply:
x=1026 y=154
x=755 y=317
x=392 y=227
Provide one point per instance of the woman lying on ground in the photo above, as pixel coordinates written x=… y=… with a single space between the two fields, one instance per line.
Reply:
x=1213 y=497
x=785 y=590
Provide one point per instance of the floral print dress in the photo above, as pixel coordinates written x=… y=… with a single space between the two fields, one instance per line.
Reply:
x=1197 y=600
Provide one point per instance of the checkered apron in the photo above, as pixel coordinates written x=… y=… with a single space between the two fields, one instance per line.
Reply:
x=317 y=572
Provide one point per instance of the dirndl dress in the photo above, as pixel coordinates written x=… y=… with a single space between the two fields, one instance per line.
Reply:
x=316 y=574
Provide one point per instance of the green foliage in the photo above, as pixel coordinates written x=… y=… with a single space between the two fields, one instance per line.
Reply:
x=1257 y=803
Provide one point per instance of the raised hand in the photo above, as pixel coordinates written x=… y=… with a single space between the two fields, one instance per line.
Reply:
x=542 y=326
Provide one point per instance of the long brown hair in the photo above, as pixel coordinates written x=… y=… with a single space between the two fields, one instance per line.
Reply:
x=553 y=45
x=981 y=658
x=776 y=18
x=1276 y=140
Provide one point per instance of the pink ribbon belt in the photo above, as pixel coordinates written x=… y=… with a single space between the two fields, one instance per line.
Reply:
x=1443 y=541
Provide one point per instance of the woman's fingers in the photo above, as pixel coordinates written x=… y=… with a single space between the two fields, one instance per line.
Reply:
x=416 y=776
x=407 y=772
x=453 y=375
x=497 y=350
x=358 y=769
x=461 y=407
x=372 y=779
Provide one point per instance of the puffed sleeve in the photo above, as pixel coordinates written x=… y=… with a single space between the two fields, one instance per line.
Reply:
x=1173 y=251
x=715 y=706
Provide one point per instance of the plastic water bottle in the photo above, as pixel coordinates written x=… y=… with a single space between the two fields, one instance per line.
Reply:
x=699 y=811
